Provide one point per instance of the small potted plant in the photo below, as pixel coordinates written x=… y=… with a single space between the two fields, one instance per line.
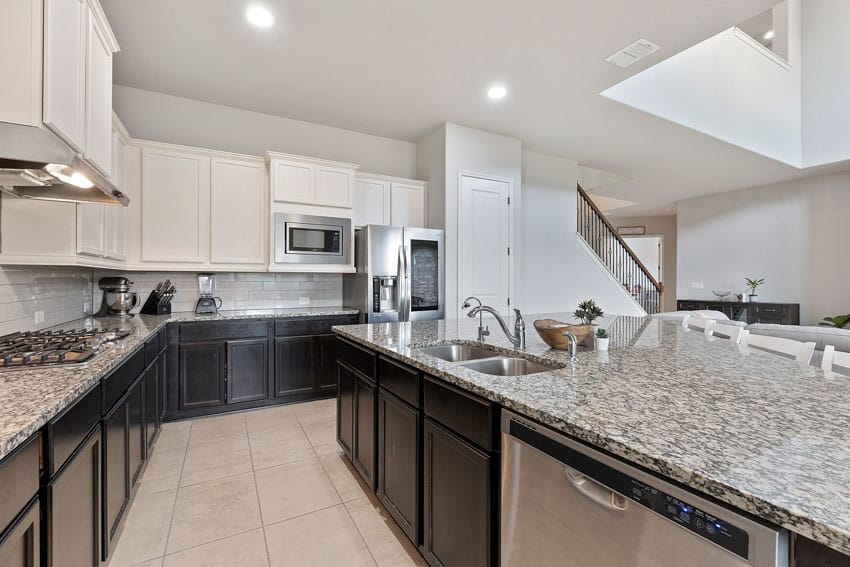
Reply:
x=602 y=339
x=587 y=313
x=838 y=321
x=753 y=284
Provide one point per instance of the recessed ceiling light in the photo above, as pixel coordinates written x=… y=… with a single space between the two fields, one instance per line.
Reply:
x=497 y=92
x=768 y=34
x=259 y=16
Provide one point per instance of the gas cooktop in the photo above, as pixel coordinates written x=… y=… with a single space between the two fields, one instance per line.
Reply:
x=52 y=348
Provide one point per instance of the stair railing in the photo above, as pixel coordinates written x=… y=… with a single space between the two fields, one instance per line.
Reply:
x=613 y=251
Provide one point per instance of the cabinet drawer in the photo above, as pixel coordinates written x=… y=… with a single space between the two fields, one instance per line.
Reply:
x=117 y=383
x=690 y=306
x=66 y=431
x=163 y=338
x=399 y=379
x=772 y=310
x=215 y=330
x=466 y=414
x=310 y=325
x=18 y=480
x=356 y=357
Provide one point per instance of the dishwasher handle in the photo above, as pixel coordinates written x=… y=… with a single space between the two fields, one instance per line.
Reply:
x=596 y=492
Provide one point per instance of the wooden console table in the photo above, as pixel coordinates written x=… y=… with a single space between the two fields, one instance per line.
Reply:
x=778 y=313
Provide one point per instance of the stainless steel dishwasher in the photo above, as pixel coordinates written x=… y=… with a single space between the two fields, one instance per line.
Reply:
x=565 y=504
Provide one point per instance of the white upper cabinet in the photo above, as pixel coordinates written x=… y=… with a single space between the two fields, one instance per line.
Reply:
x=380 y=199
x=238 y=211
x=78 y=49
x=91 y=240
x=21 y=49
x=309 y=181
x=175 y=216
x=66 y=25
x=99 y=98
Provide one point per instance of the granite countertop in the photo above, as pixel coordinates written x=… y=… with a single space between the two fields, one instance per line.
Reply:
x=30 y=397
x=758 y=431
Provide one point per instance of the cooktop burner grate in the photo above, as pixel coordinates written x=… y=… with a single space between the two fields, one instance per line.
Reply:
x=52 y=347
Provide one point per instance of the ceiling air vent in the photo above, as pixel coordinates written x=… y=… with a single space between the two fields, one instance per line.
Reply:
x=634 y=52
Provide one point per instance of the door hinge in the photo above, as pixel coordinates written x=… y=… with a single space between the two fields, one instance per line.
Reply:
x=509 y=302
x=509 y=250
x=509 y=200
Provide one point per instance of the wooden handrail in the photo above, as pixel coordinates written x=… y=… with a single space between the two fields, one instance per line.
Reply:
x=658 y=286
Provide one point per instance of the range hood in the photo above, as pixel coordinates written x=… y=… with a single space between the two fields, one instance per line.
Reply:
x=36 y=164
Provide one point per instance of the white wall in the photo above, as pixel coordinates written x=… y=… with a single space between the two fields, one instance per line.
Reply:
x=557 y=271
x=431 y=167
x=792 y=234
x=664 y=226
x=826 y=81
x=165 y=118
x=729 y=89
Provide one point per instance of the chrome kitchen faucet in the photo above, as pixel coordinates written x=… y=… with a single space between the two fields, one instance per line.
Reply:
x=517 y=338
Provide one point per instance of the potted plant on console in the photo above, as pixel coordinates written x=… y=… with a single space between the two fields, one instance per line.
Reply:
x=602 y=339
x=753 y=284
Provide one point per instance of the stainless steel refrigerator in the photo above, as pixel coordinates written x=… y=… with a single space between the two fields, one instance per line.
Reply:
x=399 y=274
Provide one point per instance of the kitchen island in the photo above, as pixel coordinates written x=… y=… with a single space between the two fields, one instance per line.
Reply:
x=751 y=429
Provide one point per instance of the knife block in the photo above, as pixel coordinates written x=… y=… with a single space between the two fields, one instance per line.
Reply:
x=152 y=307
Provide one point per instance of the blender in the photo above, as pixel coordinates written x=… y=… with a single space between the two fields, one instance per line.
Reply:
x=207 y=302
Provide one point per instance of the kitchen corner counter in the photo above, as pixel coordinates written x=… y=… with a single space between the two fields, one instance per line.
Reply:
x=30 y=397
x=757 y=431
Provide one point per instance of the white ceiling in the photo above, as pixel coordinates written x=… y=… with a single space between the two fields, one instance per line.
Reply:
x=398 y=68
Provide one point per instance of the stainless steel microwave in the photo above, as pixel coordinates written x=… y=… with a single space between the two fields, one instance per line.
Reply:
x=307 y=239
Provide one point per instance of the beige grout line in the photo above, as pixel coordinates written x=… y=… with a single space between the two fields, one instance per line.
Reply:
x=257 y=493
x=176 y=496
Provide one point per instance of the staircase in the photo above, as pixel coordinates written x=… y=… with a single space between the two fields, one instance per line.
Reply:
x=612 y=250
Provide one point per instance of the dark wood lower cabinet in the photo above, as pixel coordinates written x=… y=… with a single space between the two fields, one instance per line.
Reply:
x=247 y=370
x=72 y=509
x=345 y=410
x=295 y=366
x=136 y=431
x=364 y=450
x=152 y=406
x=201 y=375
x=326 y=361
x=399 y=462
x=457 y=494
x=20 y=543
x=116 y=467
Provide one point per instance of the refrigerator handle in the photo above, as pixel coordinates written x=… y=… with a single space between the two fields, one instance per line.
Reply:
x=402 y=285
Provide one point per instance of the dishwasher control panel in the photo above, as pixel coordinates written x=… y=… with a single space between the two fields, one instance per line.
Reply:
x=689 y=517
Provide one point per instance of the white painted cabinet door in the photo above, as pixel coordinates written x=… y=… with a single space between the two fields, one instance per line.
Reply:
x=484 y=219
x=99 y=98
x=116 y=224
x=407 y=205
x=174 y=206
x=66 y=23
x=293 y=182
x=371 y=202
x=21 y=56
x=237 y=212
x=91 y=239
x=334 y=186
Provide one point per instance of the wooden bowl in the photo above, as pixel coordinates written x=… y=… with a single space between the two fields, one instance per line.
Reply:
x=551 y=331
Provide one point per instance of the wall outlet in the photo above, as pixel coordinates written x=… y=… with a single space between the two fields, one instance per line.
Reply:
x=696 y=285
x=39 y=317
x=303 y=301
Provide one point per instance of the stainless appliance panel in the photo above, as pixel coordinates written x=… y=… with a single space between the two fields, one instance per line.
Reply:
x=383 y=246
x=558 y=508
x=303 y=239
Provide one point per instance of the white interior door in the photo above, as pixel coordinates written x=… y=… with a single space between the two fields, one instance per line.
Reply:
x=648 y=250
x=484 y=227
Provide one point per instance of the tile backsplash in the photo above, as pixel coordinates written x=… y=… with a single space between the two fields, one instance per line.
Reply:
x=28 y=293
x=63 y=294
x=239 y=290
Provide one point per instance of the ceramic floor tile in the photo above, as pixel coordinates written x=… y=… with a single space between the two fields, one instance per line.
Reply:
x=212 y=510
x=146 y=530
x=216 y=459
x=243 y=550
x=313 y=412
x=163 y=470
x=328 y=448
x=152 y=563
x=270 y=418
x=174 y=435
x=321 y=432
x=217 y=428
x=387 y=543
x=343 y=476
x=327 y=538
x=297 y=488
x=279 y=445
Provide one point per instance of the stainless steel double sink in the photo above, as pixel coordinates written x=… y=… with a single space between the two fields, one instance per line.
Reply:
x=486 y=361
